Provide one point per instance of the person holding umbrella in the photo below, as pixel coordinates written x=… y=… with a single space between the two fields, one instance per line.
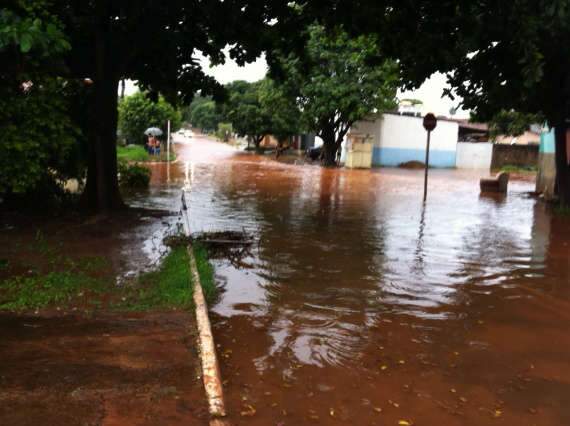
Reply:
x=153 y=143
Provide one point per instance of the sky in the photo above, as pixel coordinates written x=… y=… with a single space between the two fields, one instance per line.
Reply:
x=430 y=93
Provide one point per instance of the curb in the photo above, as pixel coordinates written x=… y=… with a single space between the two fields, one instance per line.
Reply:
x=210 y=368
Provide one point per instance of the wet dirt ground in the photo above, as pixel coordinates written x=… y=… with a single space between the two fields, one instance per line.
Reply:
x=108 y=370
x=80 y=364
x=360 y=305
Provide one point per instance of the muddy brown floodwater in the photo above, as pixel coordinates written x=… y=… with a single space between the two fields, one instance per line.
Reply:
x=362 y=306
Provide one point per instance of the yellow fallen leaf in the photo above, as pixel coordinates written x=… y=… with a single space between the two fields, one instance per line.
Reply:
x=498 y=413
x=404 y=423
x=401 y=361
x=378 y=409
x=249 y=411
x=384 y=367
x=452 y=390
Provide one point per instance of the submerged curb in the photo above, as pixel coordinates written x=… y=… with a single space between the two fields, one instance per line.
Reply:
x=210 y=368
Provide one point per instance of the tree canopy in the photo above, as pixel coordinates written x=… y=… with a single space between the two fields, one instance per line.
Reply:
x=203 y=114
x=246 y=112
x=338 y=81
x=137 y=113
x=511 y=123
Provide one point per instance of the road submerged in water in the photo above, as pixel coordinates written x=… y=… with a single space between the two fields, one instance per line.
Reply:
x=360 y=305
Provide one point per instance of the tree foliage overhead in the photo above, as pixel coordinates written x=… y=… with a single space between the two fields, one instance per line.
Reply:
x=511 y=123
x=497 y=54
x=338 y=81
x=137 y=113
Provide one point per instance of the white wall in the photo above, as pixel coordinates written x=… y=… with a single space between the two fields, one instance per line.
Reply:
x=474 y=155
x=405 y=132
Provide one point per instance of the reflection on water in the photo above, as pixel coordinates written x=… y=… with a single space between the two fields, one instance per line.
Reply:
x=340 y=249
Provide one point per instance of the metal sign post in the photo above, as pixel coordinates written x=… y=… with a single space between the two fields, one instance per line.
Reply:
x=168 y=141
x=429 y=124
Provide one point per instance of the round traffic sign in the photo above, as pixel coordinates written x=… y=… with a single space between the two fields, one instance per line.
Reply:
x=430 y=122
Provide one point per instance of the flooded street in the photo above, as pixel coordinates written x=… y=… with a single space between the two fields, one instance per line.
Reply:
x=360 y=305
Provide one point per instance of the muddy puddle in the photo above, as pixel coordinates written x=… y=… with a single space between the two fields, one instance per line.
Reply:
x=360 y=305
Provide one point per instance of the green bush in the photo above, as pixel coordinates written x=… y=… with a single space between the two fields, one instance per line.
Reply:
x=133 y=175
x=137 y=113
x=224 y=131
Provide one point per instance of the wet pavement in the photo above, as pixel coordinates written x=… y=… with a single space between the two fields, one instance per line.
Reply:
x=360 y=305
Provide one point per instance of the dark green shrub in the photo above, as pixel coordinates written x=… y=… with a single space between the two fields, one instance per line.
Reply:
x=133 y=175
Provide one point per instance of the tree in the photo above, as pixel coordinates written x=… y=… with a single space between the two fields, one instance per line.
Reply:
x=39 y=134
x=246 y=112
x=338 y=81
x=498 y=55
x=205 y=116
x=280 y=106
x=511 y=123
x=153 y=44
x=137 y=113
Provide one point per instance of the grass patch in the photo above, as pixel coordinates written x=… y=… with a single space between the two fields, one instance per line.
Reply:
x=509 y=168
x=206 y=272
x=137 y=153
x=67 y=283
x=39 y=291
x=171 y=286
x=167 y=287
x=132 y=153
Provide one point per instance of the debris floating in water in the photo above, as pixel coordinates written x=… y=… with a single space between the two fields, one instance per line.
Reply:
x=231 y=245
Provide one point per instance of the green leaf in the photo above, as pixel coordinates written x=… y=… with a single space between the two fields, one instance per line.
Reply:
x=25 y=43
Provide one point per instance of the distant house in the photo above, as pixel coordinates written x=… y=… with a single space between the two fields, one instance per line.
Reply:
x=530 y=137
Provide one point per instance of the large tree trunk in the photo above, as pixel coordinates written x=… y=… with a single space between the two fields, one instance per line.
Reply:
x=330 y=147
x=257 y=142
x=561 y=131
x=101 y=194
x=329 y=154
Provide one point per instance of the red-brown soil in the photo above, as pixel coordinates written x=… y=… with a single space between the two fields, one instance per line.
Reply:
x=106 y=370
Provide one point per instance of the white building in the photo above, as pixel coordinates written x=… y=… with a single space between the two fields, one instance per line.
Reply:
x=402 y=138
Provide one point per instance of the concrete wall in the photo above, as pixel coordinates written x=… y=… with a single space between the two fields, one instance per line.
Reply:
x=399 y=139
x=474 y=155
x=515 y=155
